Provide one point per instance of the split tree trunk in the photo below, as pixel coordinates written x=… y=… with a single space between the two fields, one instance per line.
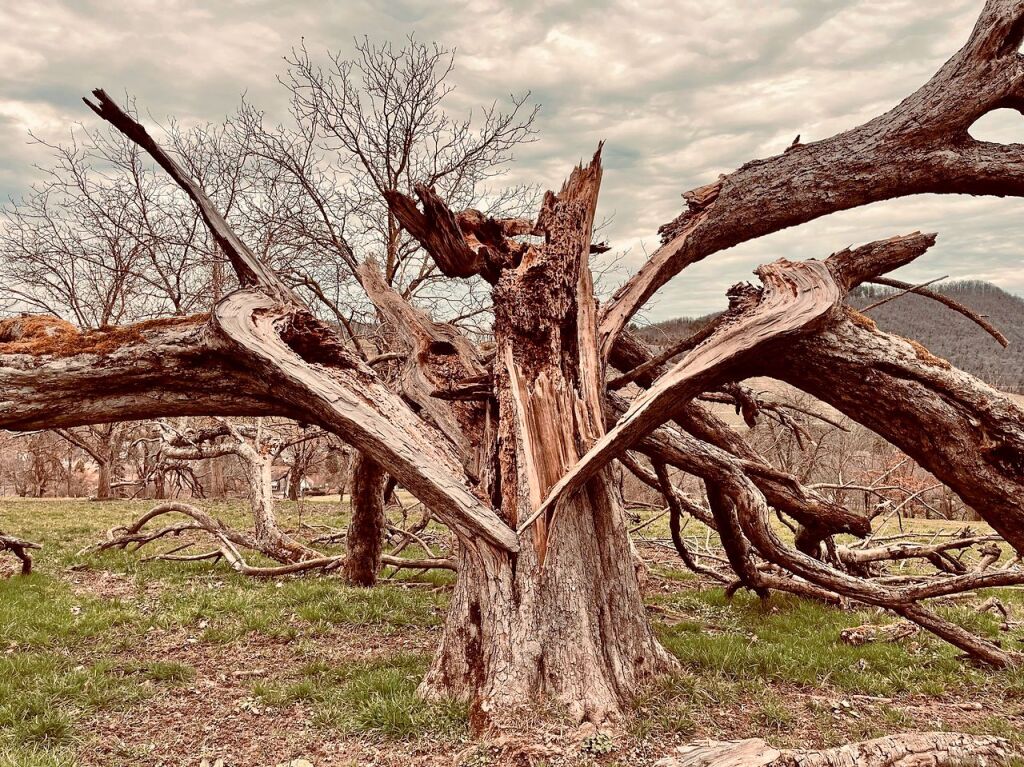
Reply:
x=364 y=541
x=563 y=618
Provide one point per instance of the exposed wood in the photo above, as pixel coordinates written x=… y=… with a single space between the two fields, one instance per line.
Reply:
x=464 y=244
x=652 y=365
x=510 y=450
x=797 y=500
x=922 y=145
x=437 y=231
x=152 y=369
x=438 y=361
x=336 y=390
x=565 y=620
x=970 y=436
x=931 y=749
x=795 y=297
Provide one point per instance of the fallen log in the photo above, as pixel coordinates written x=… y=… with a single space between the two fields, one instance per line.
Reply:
x=925 y=749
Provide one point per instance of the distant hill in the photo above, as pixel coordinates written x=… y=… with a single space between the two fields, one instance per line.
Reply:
x=941 y=330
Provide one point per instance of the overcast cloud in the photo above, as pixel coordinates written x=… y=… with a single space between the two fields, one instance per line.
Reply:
x=681 y=91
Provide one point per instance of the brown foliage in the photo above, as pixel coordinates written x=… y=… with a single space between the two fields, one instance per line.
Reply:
x=42 y=335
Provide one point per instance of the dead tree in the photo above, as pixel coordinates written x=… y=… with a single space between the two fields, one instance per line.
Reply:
x=547 y=602
x=255 y=452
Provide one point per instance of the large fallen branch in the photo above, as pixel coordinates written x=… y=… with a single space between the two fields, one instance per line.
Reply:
x=920 y=146
x=324 y=381
x=796 y=296
x=931 y=749
x=227 y=544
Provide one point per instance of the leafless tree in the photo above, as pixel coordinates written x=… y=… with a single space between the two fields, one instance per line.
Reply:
x=510 y=444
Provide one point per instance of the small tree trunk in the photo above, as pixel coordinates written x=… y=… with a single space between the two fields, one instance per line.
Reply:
x=294 y=483
x=159 y=485
x=269 y=538
x=103 y=481
x=344 y=474
x=365 y=539
x=215 y=486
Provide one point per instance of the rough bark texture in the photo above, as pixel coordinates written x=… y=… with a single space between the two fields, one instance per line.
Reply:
x=795 y=299
x=19 y=548
x=364 y=541
x=547 y=601
x=334 y=389
x=920 y=146
x=926 y=749
x=562 y=619
x=970 y=436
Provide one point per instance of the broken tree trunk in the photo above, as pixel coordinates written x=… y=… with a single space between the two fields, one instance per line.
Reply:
x=555 y=610
x=563 y=618
x=795 y=299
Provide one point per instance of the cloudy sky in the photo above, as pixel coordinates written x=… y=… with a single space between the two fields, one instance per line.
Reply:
x=681 y=90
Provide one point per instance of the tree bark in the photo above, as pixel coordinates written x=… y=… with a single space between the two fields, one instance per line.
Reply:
x=563 y=619
x=931 y=749
x=216 y=487
x=922 y=145
x=555 y=610
x=103 y=480
x=364 y=542
x=970 y=436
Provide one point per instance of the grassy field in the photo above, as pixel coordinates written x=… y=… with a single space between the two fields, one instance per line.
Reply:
x=107 y=660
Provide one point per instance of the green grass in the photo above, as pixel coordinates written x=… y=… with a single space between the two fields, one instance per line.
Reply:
x=33 y=756
x=376 y=697
x=57 y=668
x=63 y=654
x=41 y=694
x=797 y=641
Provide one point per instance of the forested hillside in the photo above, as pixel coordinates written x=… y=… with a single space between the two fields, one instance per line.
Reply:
x=944 y=332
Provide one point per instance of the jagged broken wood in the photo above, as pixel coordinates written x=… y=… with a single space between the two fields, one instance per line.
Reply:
x=546 y=603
